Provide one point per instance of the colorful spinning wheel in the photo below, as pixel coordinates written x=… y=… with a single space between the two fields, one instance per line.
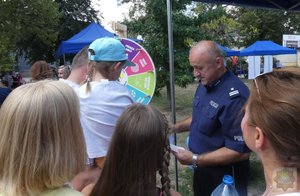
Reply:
x=140 y=79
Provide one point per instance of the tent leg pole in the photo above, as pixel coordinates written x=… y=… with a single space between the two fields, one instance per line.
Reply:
x=171 y=68
x=64 y=59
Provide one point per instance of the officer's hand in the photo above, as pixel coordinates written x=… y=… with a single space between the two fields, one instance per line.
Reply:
x=172 y=128
x=184 y=156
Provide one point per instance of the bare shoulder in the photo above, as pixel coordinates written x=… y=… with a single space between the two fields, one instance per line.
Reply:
x=87 y=189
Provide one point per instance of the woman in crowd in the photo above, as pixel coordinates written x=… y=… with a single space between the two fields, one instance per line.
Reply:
x=271 y=128
x=41 y=145
x=40 y=70
x=63 y=71
x=139 y=148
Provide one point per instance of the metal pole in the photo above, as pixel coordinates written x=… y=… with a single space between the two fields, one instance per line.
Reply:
x=171 y=68
x=64 y=59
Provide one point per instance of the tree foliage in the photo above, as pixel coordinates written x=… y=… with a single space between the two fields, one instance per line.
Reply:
x=149 y=19
x=36 y=27
x=217 y=23
x=6 y=58
x=76 y=14
x=191 y=23
x=30 y=26
x=261 y=24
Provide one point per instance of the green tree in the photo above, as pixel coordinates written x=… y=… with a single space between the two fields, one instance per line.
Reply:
x=149 y=19
x=36 y=27
x=218 y=23
x=30 y=27
x=191 y=22
x=76 y=14
x=292 y=25
x=261 y=24
x=6 y=57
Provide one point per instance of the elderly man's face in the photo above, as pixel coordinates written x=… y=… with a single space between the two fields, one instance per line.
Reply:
x=205 y=68
x=60 y=72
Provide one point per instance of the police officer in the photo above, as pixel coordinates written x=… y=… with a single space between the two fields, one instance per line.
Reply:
x=215 y=141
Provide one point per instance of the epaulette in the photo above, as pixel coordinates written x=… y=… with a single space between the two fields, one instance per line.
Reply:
x=233 y=93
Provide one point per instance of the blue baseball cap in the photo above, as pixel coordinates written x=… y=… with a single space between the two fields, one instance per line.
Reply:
x=108 y=49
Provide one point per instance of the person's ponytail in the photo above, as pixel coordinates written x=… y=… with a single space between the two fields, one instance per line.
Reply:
x=90 y=77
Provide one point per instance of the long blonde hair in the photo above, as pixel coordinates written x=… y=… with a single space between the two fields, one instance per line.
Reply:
x=41 y=144
x=105 y=68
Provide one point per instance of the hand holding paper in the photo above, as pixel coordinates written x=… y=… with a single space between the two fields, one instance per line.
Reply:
x=176 y=148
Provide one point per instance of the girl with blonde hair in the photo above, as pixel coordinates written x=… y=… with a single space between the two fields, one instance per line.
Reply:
x=102 y=100
x=42 y=144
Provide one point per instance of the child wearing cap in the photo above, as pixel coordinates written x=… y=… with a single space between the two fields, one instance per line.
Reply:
x=102 y=98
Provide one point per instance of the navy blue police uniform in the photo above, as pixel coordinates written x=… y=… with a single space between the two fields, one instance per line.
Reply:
x=217 y=114
x=4 y=92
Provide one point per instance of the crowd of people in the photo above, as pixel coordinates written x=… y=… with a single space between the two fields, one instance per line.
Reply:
x=12 y=79
x=40 y=70
x=84 y=135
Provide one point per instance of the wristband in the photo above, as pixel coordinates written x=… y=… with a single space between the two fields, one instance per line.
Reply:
x=194 y=161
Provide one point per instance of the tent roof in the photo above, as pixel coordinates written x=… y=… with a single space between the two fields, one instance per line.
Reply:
x=288 y=5
x=266 y=48
x=82 y=39
x=228 y=51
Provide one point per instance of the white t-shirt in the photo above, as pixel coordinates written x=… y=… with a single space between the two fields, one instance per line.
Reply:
x=71 y=83
x=290 y=194
x=99 y=112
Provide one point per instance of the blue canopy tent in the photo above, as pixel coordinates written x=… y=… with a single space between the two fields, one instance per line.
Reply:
x=287 y=5
x=263 y=48
x=266 y=48
x=228 y=51
x=82 y=39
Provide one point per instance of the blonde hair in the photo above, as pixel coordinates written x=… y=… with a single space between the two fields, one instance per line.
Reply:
x=41 y=144
x=103 y=67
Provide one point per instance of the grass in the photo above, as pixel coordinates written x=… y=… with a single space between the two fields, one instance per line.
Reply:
x=183 y=103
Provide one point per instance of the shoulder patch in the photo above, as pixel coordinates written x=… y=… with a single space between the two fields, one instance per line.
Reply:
x=233 y=93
